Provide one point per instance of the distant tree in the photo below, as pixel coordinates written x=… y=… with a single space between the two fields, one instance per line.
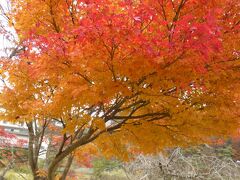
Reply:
x=12 y=151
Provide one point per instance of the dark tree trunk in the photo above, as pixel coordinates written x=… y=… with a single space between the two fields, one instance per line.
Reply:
x=236 y=149
x=67 y=167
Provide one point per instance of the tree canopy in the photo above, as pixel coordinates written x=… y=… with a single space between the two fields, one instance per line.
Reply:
x=148 y=74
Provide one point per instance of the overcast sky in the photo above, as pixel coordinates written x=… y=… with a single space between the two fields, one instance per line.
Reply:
x=3 y=41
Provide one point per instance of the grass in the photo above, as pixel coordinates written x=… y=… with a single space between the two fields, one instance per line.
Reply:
x=12 y=175
x=111 y=175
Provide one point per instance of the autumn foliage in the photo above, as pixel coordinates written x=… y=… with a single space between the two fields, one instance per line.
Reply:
x=147 y=74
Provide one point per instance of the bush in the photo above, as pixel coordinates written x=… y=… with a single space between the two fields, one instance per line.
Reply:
x=102 y=165
x=194 y=163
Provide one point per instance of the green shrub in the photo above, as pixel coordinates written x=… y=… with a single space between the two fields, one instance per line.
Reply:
x=101 y=165
x=22 y=169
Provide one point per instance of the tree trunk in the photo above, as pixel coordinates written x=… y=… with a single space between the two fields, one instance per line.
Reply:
x=49 y=155
x=52 y=168
x=54 y=165
x=31 y=156
x=68 y=151
x=67 y=167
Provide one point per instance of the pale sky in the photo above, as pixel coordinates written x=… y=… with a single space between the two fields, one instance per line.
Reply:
x=4 y=43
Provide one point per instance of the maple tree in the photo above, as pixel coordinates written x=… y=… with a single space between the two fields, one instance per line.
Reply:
x=154 y=74
x=12 y=151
